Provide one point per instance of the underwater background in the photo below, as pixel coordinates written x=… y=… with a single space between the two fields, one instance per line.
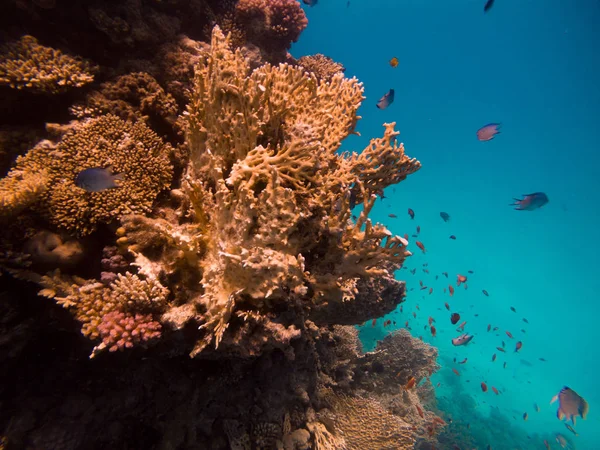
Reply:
x=533 y=67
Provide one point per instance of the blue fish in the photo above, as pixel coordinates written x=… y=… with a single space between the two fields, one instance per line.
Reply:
x=97 y=179
x=386 y=100
x=530 y=202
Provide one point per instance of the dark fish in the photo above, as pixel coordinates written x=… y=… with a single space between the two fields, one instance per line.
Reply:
x=97 y=179
x=487 y=132
x=571 y=405
x=445 y=216
x=386 y=100
x=485 y=292
x=542 y=359
x=452 y=237
x=512 y=308
x=393 y=216
x=488 y=5
x=411 y=213
x=454 y=318
x=529 y=202
x=525 y=320
x=310 y=2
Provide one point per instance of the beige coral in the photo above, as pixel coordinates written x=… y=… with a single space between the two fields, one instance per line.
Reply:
x=48 y=173
x=25 y=64
x=322 y=66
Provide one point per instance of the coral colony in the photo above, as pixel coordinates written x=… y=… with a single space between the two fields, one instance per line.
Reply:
x=218 y=282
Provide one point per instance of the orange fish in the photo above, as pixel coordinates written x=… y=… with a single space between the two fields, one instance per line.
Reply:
x=461 y=327
x=508 y=333
x=392 y=216
x=420 y=411
x=430 y=291
x=518 y=346
x=394 y=62
x=483 y=387
x=410 y=384
x=431 y=320
x=460 y=279
x=447 y=306
x=387 y=323
x=451 y=290
x=456 y=372
x=495 y=390
x=571 y=405
x=433 y=331
x=421 y=283
x=374 y=322
x=421 y=246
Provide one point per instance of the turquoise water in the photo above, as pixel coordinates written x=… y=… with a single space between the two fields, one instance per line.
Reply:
x=533 y=66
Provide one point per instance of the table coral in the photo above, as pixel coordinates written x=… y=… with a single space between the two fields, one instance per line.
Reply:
x=47 y=174
x=25 y=64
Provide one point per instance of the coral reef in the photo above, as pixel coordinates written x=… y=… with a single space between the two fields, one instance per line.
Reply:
x=46 y=174
x=252 y=263
x=322 y=66
x=26 y=64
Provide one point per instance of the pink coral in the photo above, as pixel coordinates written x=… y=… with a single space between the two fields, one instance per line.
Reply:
x=119 y=331
x=287 y=19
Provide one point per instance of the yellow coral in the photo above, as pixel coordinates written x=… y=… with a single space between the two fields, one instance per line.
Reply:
x=25 y=64
x=131 y=149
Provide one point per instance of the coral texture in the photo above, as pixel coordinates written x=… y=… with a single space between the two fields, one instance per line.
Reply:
x=25 y=64
x=322 y=66
x=47 y=173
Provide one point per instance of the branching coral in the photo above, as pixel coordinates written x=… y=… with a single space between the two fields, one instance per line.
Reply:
x=265 y=208
x=322 y=66
x=25 y=64
x=47 y=173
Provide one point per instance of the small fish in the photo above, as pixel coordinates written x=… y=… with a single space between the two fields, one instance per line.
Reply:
x=447 y=306
x=418 y=229
x=456 y=372
x=487 y=132
x=421 y=246
x=509 y=334
x=393 y=216
x=546 y=444
x=483 y=387
x=387 y=323
x=411 y=213
x=430 y=289
x=454 y=318
x=310 y=2
x=500 y=349
x=463 y=361
x=463 y=339
x=461 y=327
x=433 y=331
x=97 y=179
x=525 y=416
x=536 y=407
x=414 y=314
x=411 y=383
x=374 y=322
x=431 y=320
x=542 y=359
x=561 y=441
x=571 y=429
x=489 y=327
x=460 y=279
x=518 y=346
x=493 y=357
x=445 y=274
x=452 y=237
x=512 y=308
x=485 y=292
x=451 y=290
x=386 y=100
x=529 y=202
x=394 y=62
x=504 y=365
x=420 y=411
x=525 y=320
x=445 y=216
x=571 y=405
x=495 y=390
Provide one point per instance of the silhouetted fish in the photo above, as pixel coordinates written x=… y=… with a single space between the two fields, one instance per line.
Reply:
x=386 y=100
x=310 y=2
x=445 y=216
x=487 y=132
x=571 y=405
x=529 y=202
x=488 y=5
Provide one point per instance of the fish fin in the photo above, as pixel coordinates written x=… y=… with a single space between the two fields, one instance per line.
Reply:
x=554 y=399
x=118 y=177
x=574 y=420
x=585 y=409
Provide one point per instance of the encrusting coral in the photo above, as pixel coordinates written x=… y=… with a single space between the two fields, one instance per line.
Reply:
x=45 y=176
x=25 y=64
